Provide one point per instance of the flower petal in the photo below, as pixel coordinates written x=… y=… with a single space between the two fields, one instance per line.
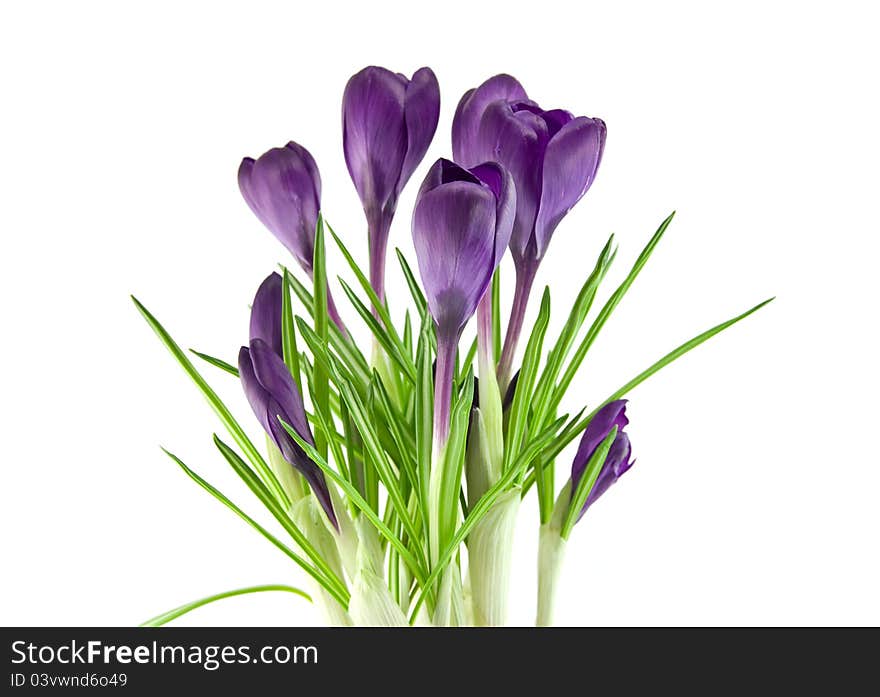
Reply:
x=517 y=140
x=615 y=465
x=276 y=380
x=454 y=237
x=469 y=113
x=422 y=111
x=611 y=415
x=374 y=134
x=570 y=164
x=499 y=180
x=266 y=313
x=286 y=192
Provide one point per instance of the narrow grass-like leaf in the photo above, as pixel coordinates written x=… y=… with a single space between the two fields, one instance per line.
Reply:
x=605 y=313
x=467 y=363
x=166 y=617
x=424 y=410
x=411 y=282
x=288 y=332
x=320 y=380
x=256 y=486
x=522 y=397
x=577 y=429
x=587 y=480
x=341 y=344
x=567 y=335
x=236 y=431
x=222 y=498
x=216 y=362
x=393 y=347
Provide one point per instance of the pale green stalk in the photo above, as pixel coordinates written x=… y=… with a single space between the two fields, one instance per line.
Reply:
x=309 y=517
x=551 y=551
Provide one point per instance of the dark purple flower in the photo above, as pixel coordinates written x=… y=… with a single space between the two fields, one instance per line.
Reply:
x=551 y=155
x=271 y=391
x=461 y=228
x=388 y=122
x=618 y=460
x=283 y=188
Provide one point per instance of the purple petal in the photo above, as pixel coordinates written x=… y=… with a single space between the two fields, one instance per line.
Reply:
x=466 y=124
x=570 y=164
x=374 y=134
x=615 y=465
x=611 y=415
x=454 y=236
x=283 y=188
x=275 y=378
x=517 y=140
x=266 y=313
x=498 y=179
x=422 y=111
x=256 y=394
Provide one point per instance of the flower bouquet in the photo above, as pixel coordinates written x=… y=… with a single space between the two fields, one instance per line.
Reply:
x=395 y=471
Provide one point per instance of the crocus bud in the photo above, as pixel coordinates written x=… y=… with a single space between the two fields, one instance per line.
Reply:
x=552 y=156
x=273 y=394
x=388 y=121
x=462 y=224
x=283 y=189
x=618 y=460
x=461 y=227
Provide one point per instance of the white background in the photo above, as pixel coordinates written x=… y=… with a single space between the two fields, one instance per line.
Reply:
x=754 y=498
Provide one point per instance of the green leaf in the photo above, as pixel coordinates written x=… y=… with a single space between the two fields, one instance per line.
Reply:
x=320 y=379
x=586 y=482
x=577 y=428
x=424 y=410
x=236 y=431
x=288 y=332
x=569 y=331
x=468 y=362
x=166 y=617
x=606 y=311
x=216 y=362
x=217 y=494
x=393 y=347
x=519 y=409
x=345 y=348
x=414 y=289
x=280 y=514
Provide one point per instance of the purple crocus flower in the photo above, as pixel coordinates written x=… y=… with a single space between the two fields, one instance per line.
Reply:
x=618 y=460
x=461 y=228
x=553 y=157
x=283 y=189
x=388 y=122
x=271 y=391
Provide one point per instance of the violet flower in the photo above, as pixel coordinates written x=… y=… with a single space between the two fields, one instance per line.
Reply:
x=388 y=122
x=618 y=460
x=461 y=228
x=553 y=157
x=283 y=189
x=273 y=394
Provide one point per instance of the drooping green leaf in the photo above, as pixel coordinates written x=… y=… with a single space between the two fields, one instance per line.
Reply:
x=232 y=426
x=216 y=362
x=303 y=563
x=166 y=617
